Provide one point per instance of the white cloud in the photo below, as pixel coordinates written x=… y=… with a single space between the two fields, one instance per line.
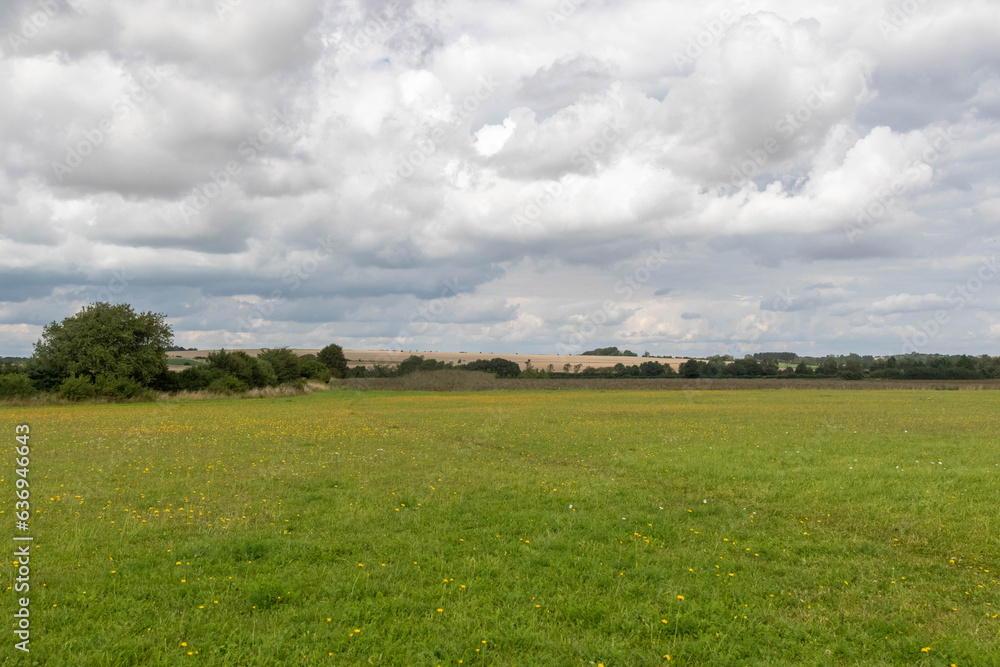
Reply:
x=908 y=303
x=490 y=139
x=535 y=162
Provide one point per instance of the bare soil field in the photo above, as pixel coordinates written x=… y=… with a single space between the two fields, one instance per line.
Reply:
x=540 y=361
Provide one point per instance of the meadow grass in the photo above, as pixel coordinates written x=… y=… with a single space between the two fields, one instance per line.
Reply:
x=513 y=528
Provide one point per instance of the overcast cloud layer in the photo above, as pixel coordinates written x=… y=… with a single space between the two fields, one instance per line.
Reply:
x=507 y=176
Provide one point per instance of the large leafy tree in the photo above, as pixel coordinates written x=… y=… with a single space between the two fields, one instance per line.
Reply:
x=828 y=367
x=651 y=368
x=692 y=368
x=102 y=340
x=286 y=364
x=332 y=356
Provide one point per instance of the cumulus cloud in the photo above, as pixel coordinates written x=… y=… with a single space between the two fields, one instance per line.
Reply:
x=908 y=303
x=502 y=175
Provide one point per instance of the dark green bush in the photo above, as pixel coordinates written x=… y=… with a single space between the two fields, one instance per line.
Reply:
x=504 y=368
x=315 y=370
x=286 y=364
x=118 y=387
x=166 y=381
x=16 y=385
x=196 y=378
x=77 y=388
x=254 y=372
x=228 y=384
x=264 y=375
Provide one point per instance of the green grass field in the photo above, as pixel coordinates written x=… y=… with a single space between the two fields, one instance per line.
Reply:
x=512 y=528
x=184 y=362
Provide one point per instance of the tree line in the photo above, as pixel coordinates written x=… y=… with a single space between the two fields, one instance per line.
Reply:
x=610 y=352
x=912 y=366
x=112 y=351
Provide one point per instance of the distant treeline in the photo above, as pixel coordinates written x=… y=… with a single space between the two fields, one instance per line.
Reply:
x=500 y=367
x=787 y=357
x=111 y=351
x=848 y=367
x=912 y=366
x=610 y=352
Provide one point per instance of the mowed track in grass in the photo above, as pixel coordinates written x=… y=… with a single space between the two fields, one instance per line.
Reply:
x=520 y=528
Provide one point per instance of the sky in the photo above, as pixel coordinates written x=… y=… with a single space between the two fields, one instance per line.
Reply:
x=528 y=176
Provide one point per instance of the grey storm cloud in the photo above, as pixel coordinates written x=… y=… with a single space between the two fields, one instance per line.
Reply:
x=504 y=176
